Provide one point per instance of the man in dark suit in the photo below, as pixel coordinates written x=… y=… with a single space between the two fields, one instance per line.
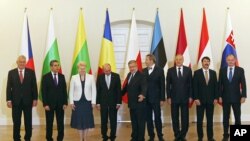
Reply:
x=232 y=88
x=54 y=94
x=205 y=95
x=136 y=89
x=21 y=97
x=179 y=95
x=155 y=96
x=108 y=100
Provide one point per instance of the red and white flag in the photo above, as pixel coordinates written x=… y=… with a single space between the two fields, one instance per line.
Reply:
x=133 y=51
x=182 y=47
x=205 y=46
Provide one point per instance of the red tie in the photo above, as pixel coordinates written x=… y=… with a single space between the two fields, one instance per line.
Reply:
x=21 y=76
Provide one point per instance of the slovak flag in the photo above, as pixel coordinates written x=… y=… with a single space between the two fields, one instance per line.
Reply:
x=26 y=48
x=229 y=47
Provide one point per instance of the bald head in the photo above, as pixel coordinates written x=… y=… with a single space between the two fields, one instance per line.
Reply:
x=179 y=60
x=231 y=60
x=107 y=69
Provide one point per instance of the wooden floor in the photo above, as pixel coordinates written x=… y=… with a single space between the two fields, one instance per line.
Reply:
x=123 y=133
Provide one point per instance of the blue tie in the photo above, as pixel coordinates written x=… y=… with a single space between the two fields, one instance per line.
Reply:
x=230 y=74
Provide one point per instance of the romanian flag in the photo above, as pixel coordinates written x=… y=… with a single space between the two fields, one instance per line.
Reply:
x=107 y=50
x=81 y=52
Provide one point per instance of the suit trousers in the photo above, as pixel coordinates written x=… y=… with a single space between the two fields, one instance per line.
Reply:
x=108 y=112
x=17 y=116
x=209 y=108
x=138 y=119
x=180 y=132
x=156 y=109
x=226 y=115
x=58 y=110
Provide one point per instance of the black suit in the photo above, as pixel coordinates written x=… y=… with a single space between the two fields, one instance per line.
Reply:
x=231 y=94
x=206 y=94
x=179 y=90
x=155 y=94
x=21 y=95
x=135 y=87
x=54 y=96
x=108 y=98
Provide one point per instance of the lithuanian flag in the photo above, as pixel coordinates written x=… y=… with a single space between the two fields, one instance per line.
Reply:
x=81 y=52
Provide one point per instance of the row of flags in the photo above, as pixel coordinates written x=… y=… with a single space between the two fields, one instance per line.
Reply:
x=81 y=52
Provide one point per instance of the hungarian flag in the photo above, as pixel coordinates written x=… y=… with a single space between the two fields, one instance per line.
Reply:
x=51 y=51
x=157 y=47
x=229 y=45
x=205 y=46
x=133 y=52
x=26 y=47
x=182 y=47
x=107 y=50
x=81 y=52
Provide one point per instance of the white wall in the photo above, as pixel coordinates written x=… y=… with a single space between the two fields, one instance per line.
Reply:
x=66 y=14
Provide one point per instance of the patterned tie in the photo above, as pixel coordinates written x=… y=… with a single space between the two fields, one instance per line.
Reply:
x=55 y=80
x=230 y=75
x=21 y=76
x=206 y=76
x=179 y=72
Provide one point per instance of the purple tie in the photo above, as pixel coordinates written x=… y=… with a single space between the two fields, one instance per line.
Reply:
x=55 y=80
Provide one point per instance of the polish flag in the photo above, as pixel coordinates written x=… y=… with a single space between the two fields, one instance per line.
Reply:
x=133 y=52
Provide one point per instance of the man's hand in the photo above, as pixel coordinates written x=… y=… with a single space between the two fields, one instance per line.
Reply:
x=197 y=102
x=9 y=104
x=220 y=100
x=118 y=106
x=162 y=103
x=34 y=103
x=64 y=107
x=141 y=97
x=215 y=101
x=190 y=100
x=169 y=101
x=73 y=107
x=47 y=108
x=98 y=107
x=242 y=100
x=93 y=106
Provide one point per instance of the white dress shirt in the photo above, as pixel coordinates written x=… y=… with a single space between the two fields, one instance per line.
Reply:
x=228 y=71
x=151 y=69
x=177 y=70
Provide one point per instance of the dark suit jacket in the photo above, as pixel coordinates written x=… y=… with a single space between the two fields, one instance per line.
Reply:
x=231 y=91
x=179 y=89
x=155 y=85
x=54 y=95
x=136 y=87
x=17 y=91
x=206 y=93
x=111 y=96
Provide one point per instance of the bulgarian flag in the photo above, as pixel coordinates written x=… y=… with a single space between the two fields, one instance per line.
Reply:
x=81 y=52
x=107 y=50
x=51 y=51
x=26 y=47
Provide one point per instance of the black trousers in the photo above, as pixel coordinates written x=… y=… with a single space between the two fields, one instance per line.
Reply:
x=156 y=109
x=180 y=132
x=209 y=108
x=17 y=116
x=60 y=122
x=108 y=112
x=138 y=119
x=226 y=115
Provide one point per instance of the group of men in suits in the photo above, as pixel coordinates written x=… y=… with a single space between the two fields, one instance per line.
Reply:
x=146 y=94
